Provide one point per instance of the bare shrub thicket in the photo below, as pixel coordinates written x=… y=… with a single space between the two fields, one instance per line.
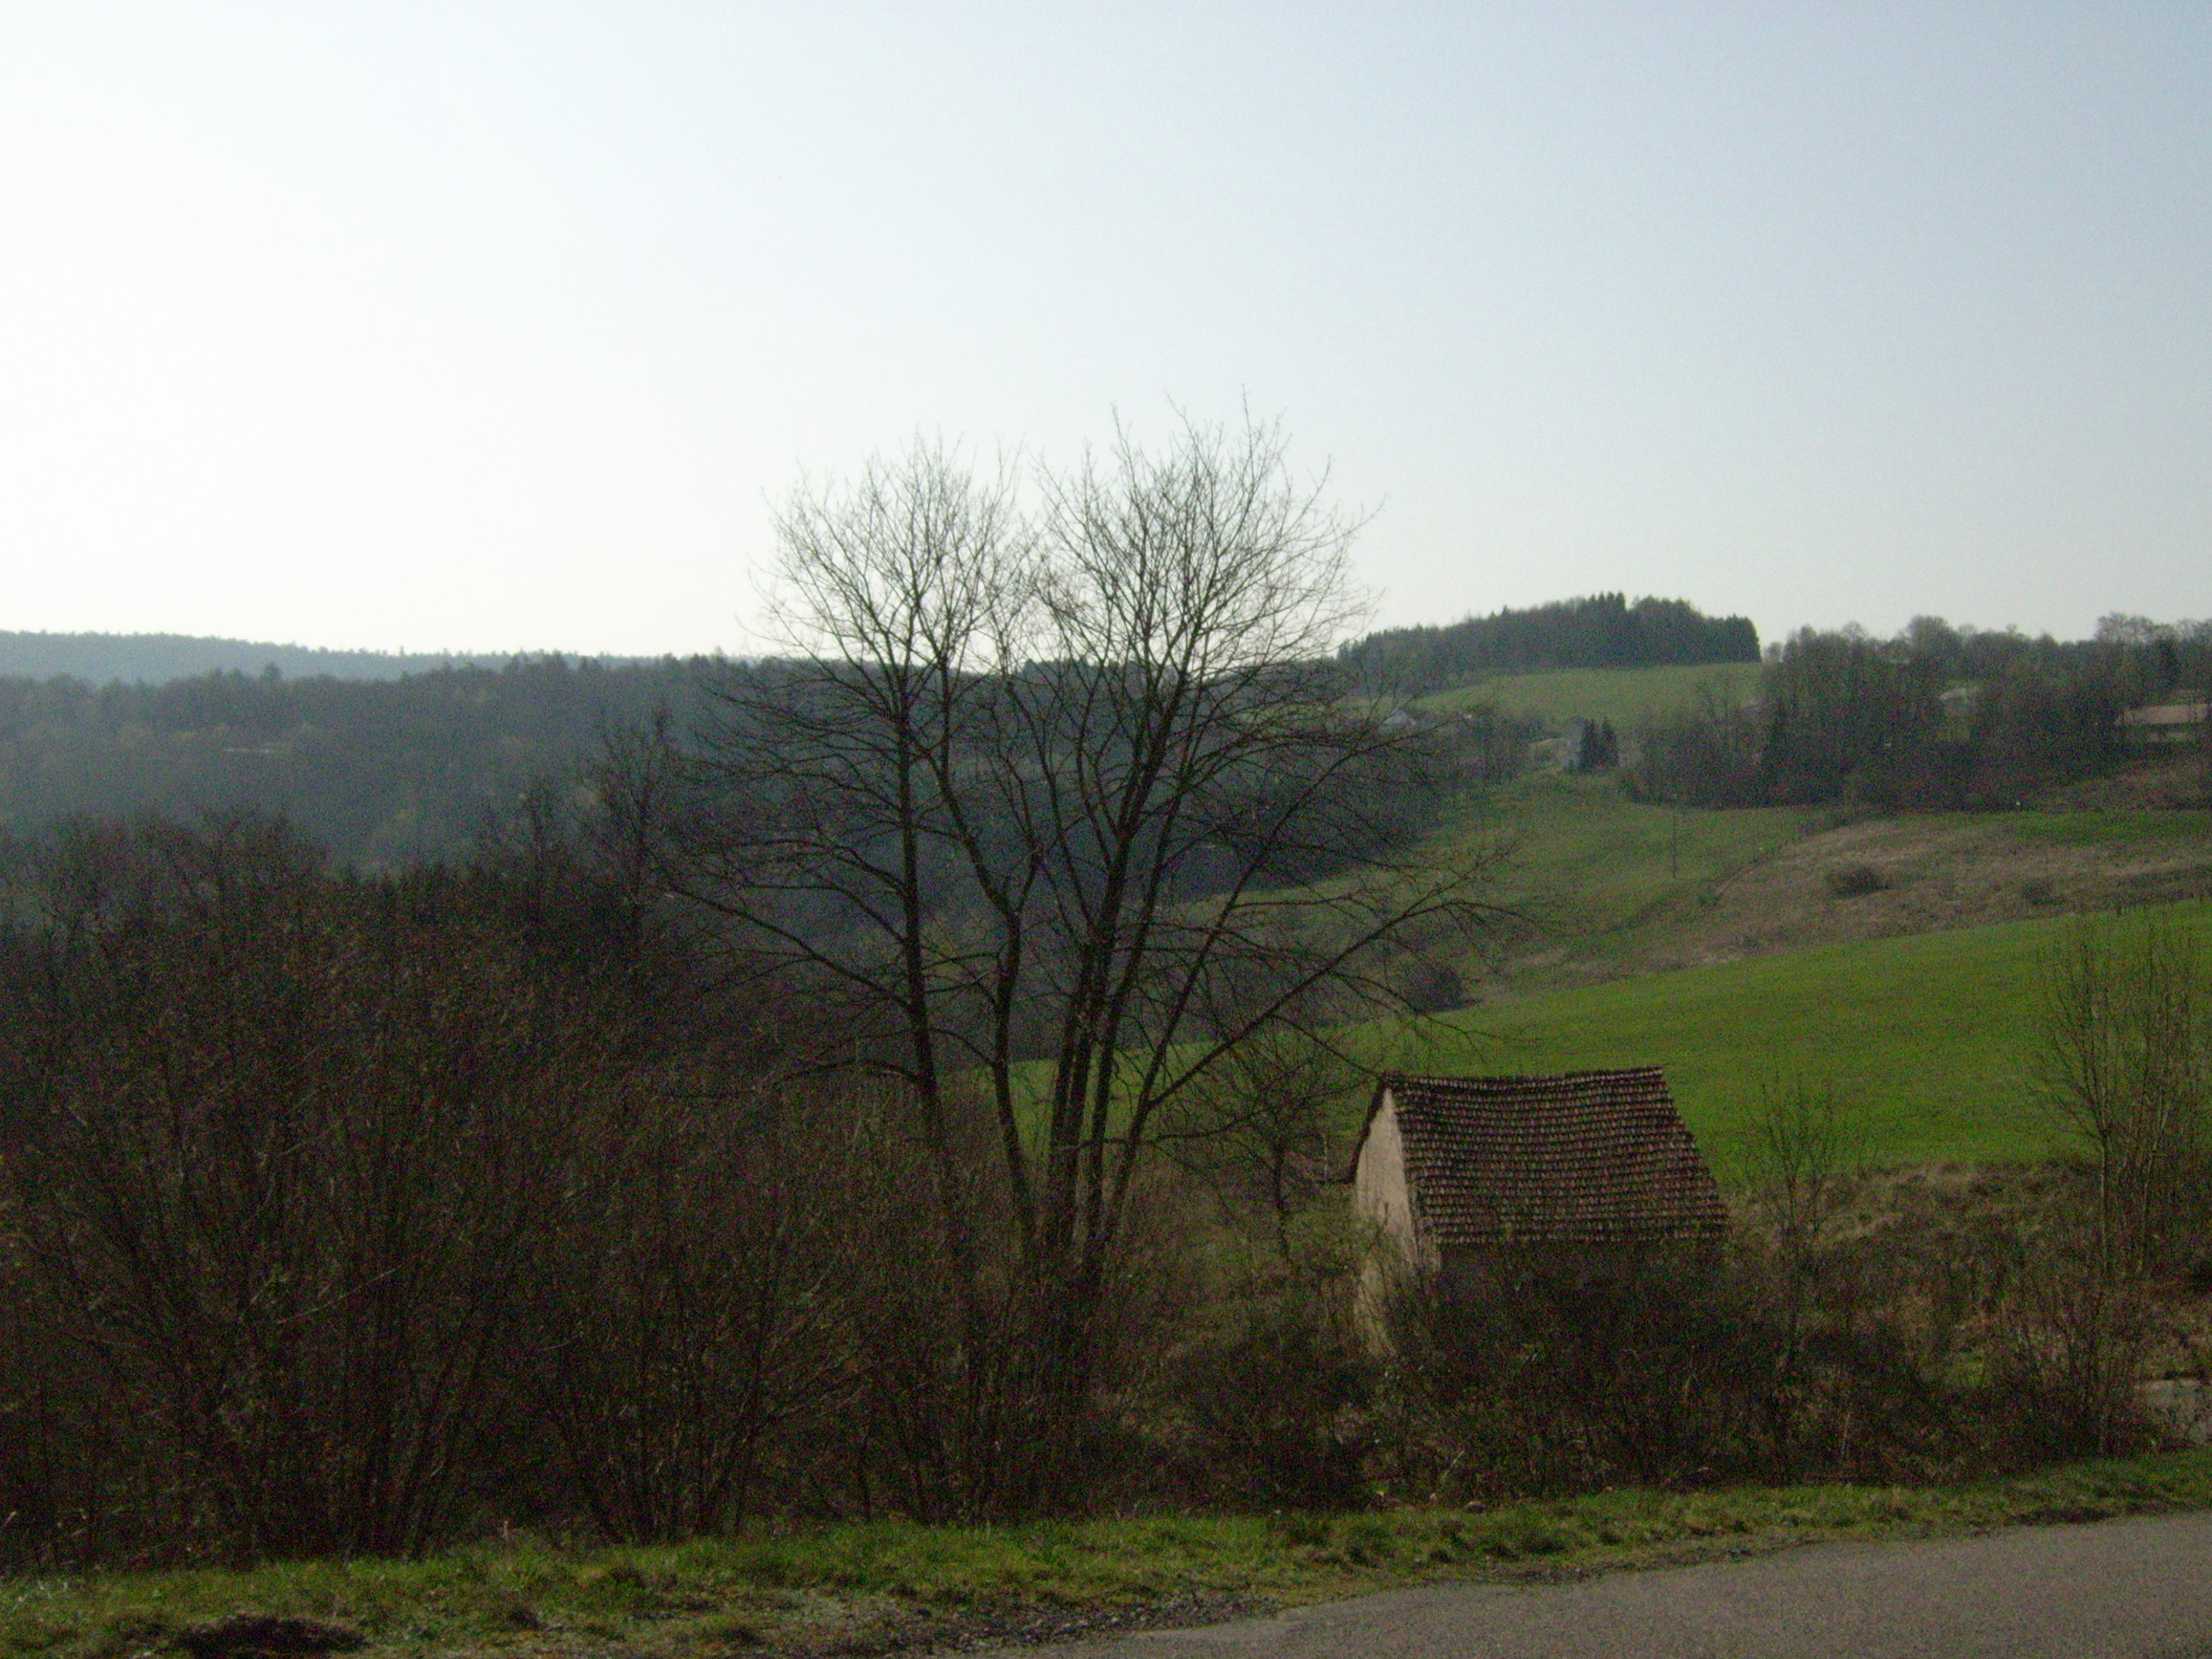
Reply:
x=688 y=1313
x=276 y=1159
x=315 y=1189
x=2125 y=1071
x=1564 y=1377
x=1560 y=1377
x=1274 y=1402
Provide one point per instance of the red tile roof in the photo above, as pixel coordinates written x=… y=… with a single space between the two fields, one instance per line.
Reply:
x=1583 y=1158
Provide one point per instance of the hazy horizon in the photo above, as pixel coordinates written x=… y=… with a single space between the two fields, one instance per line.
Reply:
x=479 y=329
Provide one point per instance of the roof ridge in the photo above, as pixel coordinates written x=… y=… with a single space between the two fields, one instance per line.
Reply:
x=1448 y=1080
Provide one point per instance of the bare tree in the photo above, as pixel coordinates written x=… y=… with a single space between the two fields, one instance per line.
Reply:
x=1062 y=813
x=1804 y=1150
x=2123 y=1068
x=1259 y=1128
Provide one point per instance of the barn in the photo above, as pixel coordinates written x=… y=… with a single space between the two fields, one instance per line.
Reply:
x=2184 y=719
x=1453 y=1173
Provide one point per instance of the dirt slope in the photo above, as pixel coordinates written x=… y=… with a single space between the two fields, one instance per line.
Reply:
x=1938 y=871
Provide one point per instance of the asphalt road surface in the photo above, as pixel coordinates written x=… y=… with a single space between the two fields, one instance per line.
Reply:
x=2140 y=1589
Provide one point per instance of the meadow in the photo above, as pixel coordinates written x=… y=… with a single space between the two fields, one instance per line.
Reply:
x=1929 y=1035
x=1599 y=875
x=1931 y=1039
x=2111 y=829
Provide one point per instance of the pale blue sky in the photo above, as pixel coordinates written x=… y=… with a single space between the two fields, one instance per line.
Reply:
x=492 y=326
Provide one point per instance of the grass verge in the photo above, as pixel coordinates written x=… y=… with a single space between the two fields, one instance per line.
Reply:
x=873 y=1588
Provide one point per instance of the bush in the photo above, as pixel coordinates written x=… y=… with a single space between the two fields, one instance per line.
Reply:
x=1279 y=1409
x=1856 y=881
x=1553 y=1379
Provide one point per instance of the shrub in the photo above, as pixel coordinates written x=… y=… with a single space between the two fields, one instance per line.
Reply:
x=1856 y=880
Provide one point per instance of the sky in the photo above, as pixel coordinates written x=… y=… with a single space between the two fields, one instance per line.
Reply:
x=498 y=326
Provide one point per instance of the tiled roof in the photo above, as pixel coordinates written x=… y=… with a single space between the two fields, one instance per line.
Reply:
x=1586 y=1158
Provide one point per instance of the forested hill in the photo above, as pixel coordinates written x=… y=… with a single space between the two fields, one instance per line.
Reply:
x=390 y=760
x=1601 y=631
x=384 y=773
x=152 y=659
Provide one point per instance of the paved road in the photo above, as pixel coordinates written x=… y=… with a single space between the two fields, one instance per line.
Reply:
x=2139 y=1588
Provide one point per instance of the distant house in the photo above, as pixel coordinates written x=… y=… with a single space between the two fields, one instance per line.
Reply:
x=1961 y=704
x=1455 y=1173
x=2178 y=721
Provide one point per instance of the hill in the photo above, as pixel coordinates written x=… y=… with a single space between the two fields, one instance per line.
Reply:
x=1609 y=887
x=1601 y=631
x=385 y=773
x=157 y=659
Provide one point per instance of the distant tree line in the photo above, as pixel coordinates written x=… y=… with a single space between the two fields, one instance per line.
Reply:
x=385 y=774
x=1601 y=631
x=154 y=658
x=388 y=773
x=1937 y=716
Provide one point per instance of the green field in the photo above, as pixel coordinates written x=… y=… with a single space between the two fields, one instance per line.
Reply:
x=1930 y=1038
x=2120 y=829
x=1623 y=696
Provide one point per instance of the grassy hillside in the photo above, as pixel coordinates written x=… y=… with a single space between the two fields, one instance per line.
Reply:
x=1601 y=879
x=1612 y=887
x=2114 y=829
x=1930 y=1036
x=1623 y=696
